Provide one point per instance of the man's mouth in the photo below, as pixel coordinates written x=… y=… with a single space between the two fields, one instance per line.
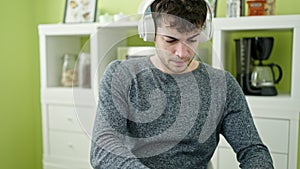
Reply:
x=179 y=63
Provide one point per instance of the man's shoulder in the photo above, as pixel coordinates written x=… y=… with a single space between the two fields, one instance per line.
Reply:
x=212 y=70
x=134 y=62
x=218 y=73
x=126 y=67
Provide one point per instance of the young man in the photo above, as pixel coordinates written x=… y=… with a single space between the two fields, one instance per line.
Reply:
x=168 y=110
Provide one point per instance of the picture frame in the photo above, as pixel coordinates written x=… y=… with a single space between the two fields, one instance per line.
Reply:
x=80 y=11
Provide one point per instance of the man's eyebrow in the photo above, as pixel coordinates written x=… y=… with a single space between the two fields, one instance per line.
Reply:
x=174 y=38
x=171 y=37
x=197 y=34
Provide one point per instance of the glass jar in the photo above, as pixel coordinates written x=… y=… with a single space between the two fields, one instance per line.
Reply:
x=69 y=76
x=84 y=70
x=270 y=7
x=233 y=8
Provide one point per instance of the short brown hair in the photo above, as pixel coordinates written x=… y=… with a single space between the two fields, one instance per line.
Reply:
x=192 y=11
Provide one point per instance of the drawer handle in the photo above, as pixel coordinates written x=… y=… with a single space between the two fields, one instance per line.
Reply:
x=70 y=145
x=70 y=119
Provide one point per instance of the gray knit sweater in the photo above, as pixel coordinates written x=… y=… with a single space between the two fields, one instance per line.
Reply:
x=149 y=119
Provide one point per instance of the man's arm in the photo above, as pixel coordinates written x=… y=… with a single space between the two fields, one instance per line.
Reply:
x=240 y=132
x=109 y=149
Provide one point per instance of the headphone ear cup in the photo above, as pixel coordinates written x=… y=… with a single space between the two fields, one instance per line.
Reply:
x=141 y=30
x=206 y=33
x=146 y=28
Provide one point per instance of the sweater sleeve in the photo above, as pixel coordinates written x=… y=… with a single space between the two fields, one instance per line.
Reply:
x=109 y=149
x=239 y=130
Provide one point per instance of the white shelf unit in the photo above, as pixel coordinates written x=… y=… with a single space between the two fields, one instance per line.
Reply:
x=68 y=113
x=276 y=117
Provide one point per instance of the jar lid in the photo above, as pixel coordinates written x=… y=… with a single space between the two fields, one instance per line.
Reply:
x=85 y=55
x=69 y=55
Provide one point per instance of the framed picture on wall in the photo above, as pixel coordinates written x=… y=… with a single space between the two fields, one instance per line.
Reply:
x=80 y=11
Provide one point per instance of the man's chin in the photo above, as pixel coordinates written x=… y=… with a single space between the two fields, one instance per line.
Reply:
x=178 y=69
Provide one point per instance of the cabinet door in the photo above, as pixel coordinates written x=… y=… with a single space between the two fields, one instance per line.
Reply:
x=274 y=133
x=280 y=160
x=63 y=117
x=227 y=159
x=70 y=118
x=68 y=136
x=70 y=145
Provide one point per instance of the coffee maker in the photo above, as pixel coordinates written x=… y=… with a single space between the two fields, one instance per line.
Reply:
x=254 y=76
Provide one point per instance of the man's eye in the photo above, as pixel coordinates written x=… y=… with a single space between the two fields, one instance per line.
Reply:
x=192 y=40
x=170 y=40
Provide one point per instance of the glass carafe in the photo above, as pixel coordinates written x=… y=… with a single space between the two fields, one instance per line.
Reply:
x=264 y=75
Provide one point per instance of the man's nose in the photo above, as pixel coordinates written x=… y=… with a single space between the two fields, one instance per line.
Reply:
x=182 y=50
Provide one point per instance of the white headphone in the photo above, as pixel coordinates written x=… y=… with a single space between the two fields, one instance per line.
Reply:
x=146 y=26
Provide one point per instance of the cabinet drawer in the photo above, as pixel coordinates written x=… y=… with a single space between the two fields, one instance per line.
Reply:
x=280 y=160
x=64 y=118
x=274 y=133
x=70 y=145
x=227 y=159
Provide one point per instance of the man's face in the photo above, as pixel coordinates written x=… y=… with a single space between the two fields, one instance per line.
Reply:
x=175 y=50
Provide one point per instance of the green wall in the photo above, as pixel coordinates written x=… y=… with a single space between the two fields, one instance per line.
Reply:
x=20 y=118
x=19 y=111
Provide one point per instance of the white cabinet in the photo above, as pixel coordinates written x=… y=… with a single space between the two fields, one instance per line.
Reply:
x=273 y=132
x=68 y=112
x=276 y=117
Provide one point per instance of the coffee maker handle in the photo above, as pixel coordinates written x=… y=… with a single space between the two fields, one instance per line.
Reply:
x=279 y=70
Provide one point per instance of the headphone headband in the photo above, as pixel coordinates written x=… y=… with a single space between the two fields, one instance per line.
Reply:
x=147 y=30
